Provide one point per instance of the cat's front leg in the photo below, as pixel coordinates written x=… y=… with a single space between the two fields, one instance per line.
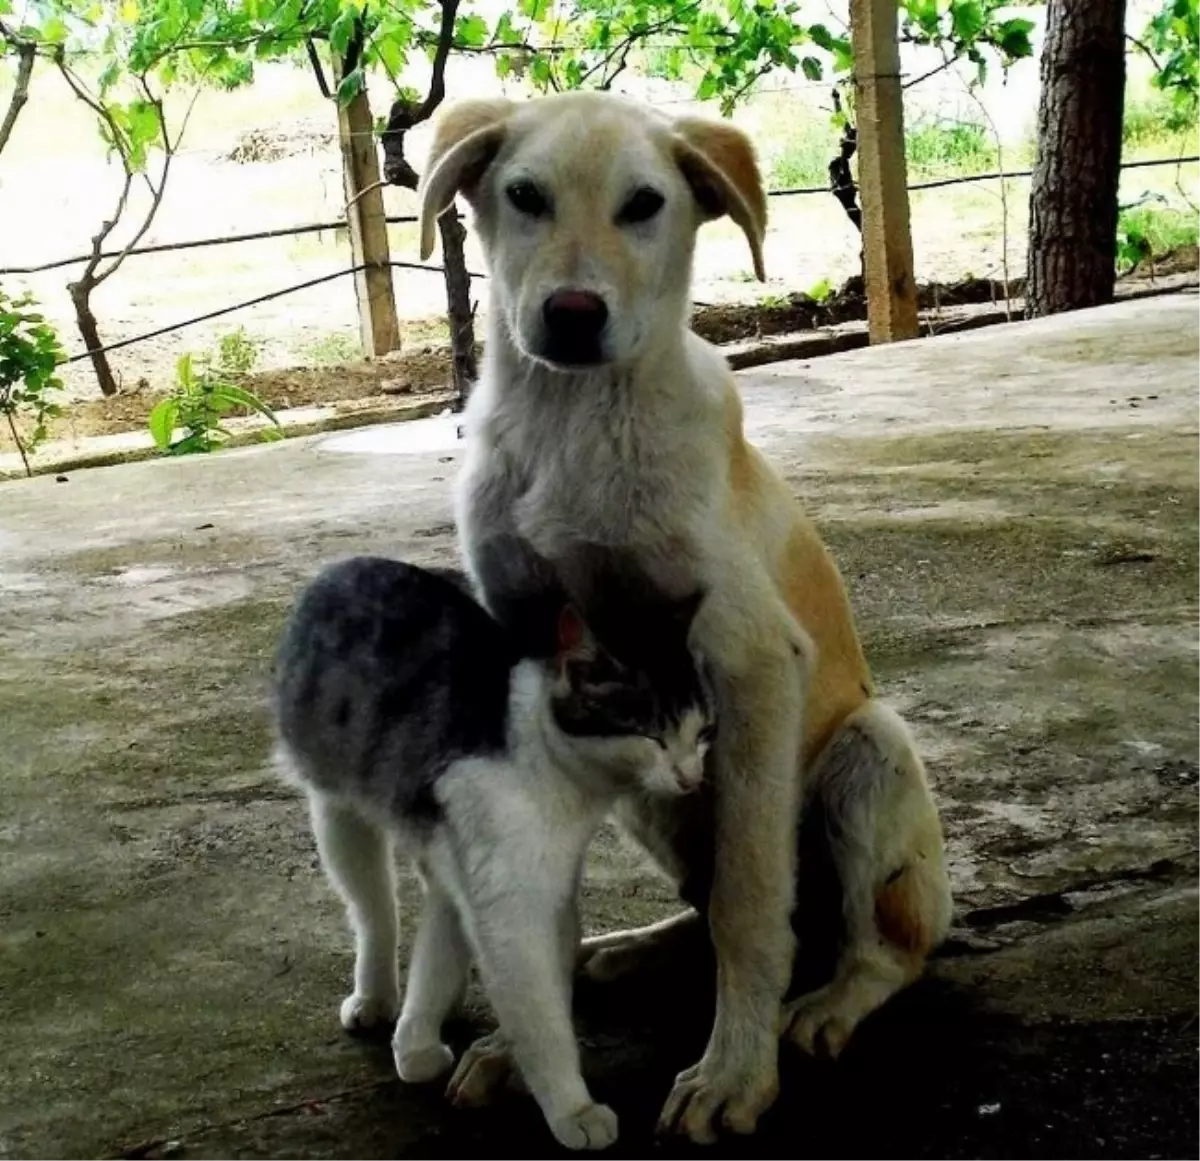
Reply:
x=437 y=978
x=357 y=857
x=524 y=941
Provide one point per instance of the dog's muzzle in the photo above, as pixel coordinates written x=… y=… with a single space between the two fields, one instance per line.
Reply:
x=574 y=322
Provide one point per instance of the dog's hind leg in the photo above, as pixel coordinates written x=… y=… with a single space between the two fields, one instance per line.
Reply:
x=885 y=842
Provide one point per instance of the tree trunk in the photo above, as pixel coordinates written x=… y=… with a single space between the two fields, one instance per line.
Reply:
x=90 y=333
x=1073 y=201
x=458 y=304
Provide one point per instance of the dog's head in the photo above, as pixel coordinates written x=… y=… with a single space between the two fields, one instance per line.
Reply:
x=588 y=206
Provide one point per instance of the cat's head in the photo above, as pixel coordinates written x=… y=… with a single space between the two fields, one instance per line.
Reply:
x=644 y=713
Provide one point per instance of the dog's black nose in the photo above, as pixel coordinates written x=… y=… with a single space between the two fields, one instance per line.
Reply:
x=575 y=320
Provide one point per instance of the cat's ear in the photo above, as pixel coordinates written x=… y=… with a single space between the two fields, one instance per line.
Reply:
x=574 y=639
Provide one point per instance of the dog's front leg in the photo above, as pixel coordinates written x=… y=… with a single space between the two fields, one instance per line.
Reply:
x=756 y=786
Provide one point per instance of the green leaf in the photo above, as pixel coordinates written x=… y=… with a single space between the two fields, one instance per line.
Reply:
x=812 y=69
x=352 y=84
x=843 y=56
x=1013 y=39
x=821 y=37
x=144 y=123
x=470 y=31
x=185 y=372
x=240 y=397
x=391 y=53
x=341 y=32
x=54 y=31
x=967 y=19
x=162 y=422
x=506 y=31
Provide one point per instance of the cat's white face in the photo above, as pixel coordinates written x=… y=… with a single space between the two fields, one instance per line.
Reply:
x=667 y=765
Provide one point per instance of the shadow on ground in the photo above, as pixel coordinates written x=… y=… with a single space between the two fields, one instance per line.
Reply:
x=1003 y=1051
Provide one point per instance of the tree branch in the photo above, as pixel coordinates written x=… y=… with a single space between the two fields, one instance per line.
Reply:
x=946 y=63
x=621 y=50
x=437 y=84
x=1144 y=48
x=26 y=53
x=404 y=114
x=92 y=275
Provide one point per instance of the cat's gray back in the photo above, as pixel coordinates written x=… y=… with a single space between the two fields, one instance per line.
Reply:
x=385 y=676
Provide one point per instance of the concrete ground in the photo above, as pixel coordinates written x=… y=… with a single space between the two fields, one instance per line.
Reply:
x=1015 y=511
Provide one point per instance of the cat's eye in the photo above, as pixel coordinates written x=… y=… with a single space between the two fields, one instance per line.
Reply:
x=641 y=207
x=527 y=199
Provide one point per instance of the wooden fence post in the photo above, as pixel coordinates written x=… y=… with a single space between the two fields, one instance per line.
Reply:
x=882 y=176
x=367 y=220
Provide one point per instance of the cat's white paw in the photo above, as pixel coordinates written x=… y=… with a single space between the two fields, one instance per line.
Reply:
x=591 y=1127
x=369 y=1013
x=419 y=1065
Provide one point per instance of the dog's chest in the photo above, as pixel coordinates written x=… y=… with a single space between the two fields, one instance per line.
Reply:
x=603 y=470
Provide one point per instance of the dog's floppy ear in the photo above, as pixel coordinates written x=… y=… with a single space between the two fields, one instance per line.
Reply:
x=467 y=136
x=719 y=164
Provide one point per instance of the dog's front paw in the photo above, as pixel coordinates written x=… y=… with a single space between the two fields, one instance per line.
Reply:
x=821 y=1027
x=591 y=1127
x=485 y=1068
x=701 y=1093
x=362 y=1015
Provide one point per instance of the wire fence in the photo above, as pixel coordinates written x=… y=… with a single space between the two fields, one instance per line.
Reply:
x=341 y=224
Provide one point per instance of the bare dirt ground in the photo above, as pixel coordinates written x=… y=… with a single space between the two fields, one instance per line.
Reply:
x=1016 y=514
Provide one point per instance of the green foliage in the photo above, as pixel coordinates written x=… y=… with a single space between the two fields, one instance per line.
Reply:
x=331 y=350
x=948 y=148
x=237 y=352
x=207 y=393
x=821 y=291
x=1151 y=124
x=799 y=152
x=1147 y=231
x=1173 y=37
x=968 y=28
x=726 y=45
x=29 y=354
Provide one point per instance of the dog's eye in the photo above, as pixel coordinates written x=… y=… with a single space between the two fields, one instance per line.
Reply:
x=644 y=204
x=527 y=199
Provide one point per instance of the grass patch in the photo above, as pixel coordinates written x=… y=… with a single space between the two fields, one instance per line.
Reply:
x=948 y=148
x=1153 y=125
x=331 y=350
x=933 y=148
x=803 y=157
x=1147 y=232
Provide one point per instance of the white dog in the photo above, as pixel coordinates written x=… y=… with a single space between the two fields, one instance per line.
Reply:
x=601 y=417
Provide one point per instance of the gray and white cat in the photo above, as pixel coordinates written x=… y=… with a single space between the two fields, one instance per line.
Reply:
x=412 y=720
